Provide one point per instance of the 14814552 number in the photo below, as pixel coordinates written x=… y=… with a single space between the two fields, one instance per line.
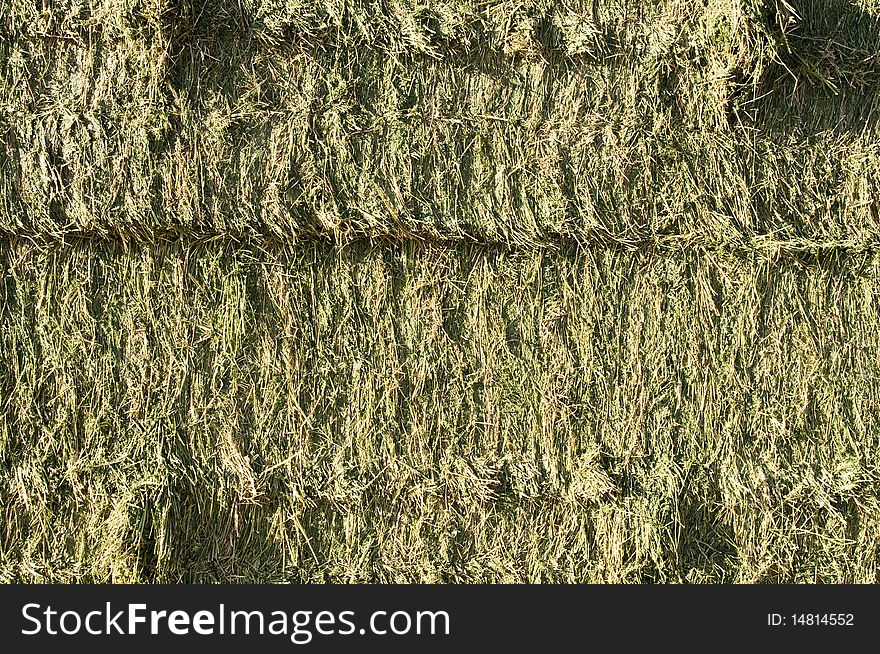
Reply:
x=822 y=619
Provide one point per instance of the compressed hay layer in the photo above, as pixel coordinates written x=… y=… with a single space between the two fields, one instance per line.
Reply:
x=728 y=122
x=203 y=412
x=615 y=318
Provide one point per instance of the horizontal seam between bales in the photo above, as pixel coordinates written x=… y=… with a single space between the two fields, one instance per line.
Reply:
x=663 y=245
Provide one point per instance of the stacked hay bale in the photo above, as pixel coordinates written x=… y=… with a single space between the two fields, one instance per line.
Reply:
x=313 y=290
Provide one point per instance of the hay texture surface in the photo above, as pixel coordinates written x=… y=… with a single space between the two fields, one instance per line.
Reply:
x=355 y=291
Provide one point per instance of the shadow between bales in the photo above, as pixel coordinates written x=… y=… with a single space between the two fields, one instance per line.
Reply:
x=826 y=75
x=706 y=542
